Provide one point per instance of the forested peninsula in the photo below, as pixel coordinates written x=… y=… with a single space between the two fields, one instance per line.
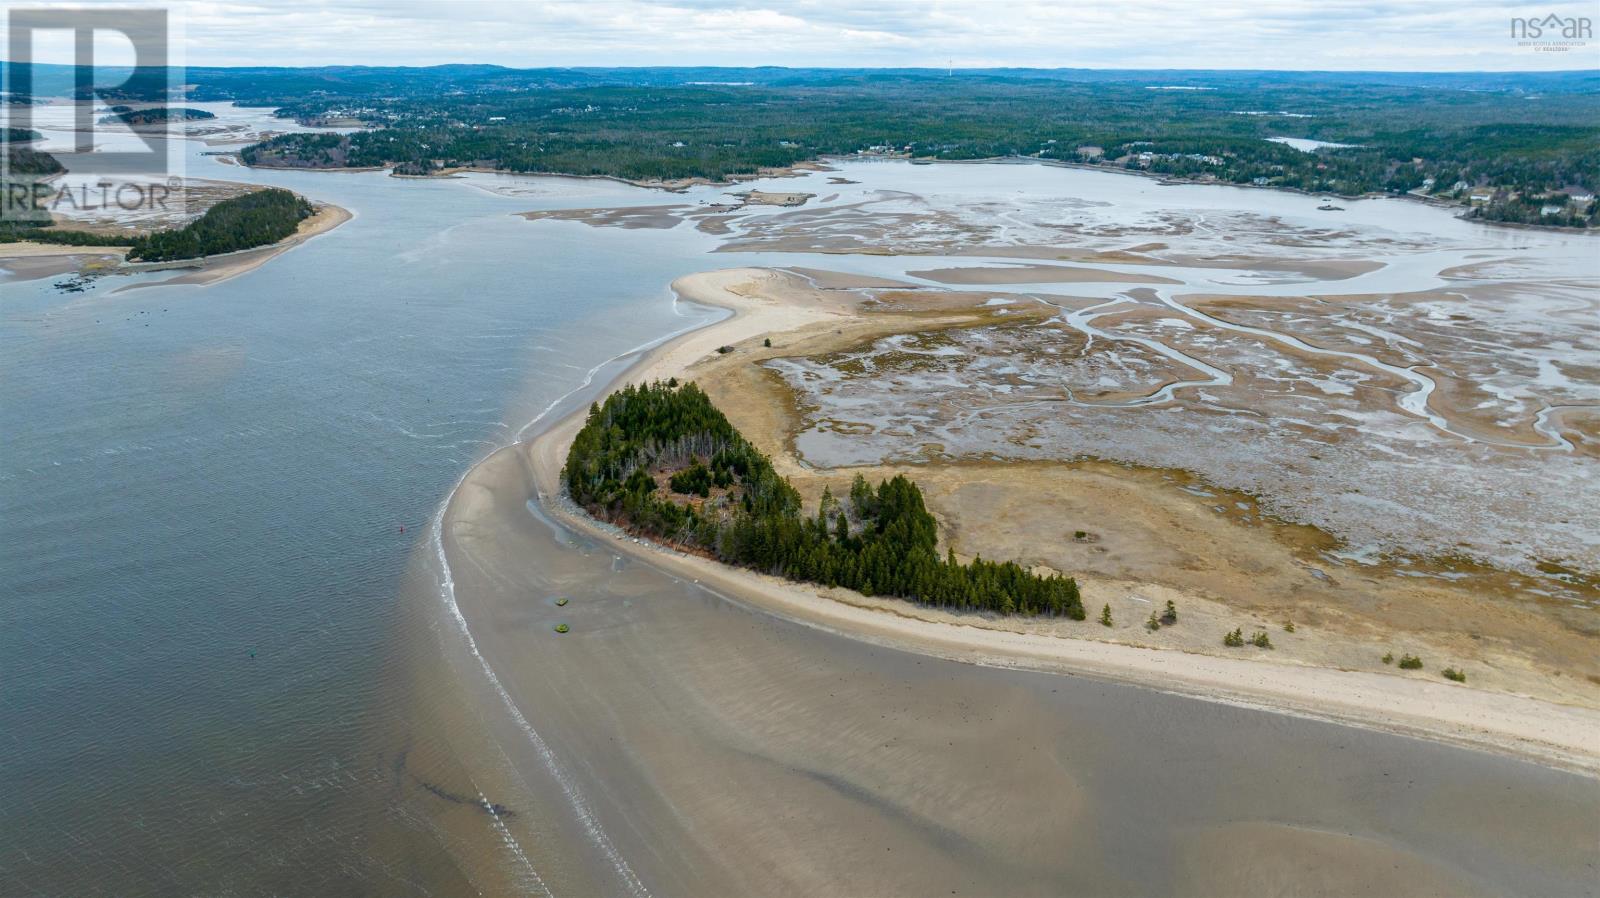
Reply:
x=255 y=219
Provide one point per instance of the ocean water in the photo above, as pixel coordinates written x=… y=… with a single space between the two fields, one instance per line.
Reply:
x=209 y=496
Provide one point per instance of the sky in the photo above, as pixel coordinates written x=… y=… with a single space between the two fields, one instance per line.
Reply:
x=1393 y=35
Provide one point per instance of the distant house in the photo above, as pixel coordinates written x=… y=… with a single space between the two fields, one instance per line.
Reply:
x=1261 y=182
x=1480 y=196
x=1550 y=209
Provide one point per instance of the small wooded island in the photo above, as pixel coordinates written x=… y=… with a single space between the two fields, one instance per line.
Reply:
x=662 y=461
x=155 y=115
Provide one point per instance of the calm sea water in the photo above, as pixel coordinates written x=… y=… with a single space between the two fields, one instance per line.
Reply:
x=209 y=495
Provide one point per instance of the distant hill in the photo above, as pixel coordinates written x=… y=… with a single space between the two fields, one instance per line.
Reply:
x=270 y=85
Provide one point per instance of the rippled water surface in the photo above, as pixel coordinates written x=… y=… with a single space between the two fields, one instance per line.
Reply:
x=209 y=495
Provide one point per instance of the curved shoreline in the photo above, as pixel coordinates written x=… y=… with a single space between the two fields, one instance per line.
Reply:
x=200 y=271
x=215 y=269
x=1553 y=734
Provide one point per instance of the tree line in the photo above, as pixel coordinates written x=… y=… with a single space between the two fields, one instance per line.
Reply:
x=1398 y=136
x=255 y=219
x=722 y=496
x=155 y=115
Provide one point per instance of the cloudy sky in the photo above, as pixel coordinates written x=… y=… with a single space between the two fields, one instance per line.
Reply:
x=1418 y=35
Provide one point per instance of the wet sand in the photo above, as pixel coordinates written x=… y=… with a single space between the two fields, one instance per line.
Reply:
x=1035 y=274
x=30 y=261
x=744 y=736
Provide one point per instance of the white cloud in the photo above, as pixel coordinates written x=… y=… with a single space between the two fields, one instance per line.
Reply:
x=1251 y=34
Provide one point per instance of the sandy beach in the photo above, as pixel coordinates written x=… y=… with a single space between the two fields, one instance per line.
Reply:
x=1561 y=734
x=28 y=261
x=213 y=269
x=713 y=731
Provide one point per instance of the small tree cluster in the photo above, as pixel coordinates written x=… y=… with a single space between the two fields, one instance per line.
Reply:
x=883 y=542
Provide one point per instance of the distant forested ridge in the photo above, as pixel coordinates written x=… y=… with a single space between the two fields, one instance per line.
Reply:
x=1532 y=135
x=156 y=115
x=663 y=461
x=242 y=222
x=1532 y=138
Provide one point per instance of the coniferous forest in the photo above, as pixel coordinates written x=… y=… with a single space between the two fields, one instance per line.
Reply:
x=242 y=222
x=662 y=461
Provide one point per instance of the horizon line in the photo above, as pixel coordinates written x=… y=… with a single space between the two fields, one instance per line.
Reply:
x=833 y=68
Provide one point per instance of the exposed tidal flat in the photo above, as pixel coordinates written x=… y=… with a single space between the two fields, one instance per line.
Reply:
x=228 y=670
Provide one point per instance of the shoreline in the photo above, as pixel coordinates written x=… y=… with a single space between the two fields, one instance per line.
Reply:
x=1169 y=181
x=1553 y=734
x=199 y=271
x=670 y=185
x=215 y=269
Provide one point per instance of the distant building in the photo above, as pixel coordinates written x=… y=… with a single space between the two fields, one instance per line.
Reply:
x=1480 y=196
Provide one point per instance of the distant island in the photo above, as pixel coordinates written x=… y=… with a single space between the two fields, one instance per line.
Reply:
x=155 y=115
x=660 y=460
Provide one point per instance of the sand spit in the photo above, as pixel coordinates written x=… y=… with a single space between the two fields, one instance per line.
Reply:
x=213 y=269
x=704 y=730
x=1556 y=733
